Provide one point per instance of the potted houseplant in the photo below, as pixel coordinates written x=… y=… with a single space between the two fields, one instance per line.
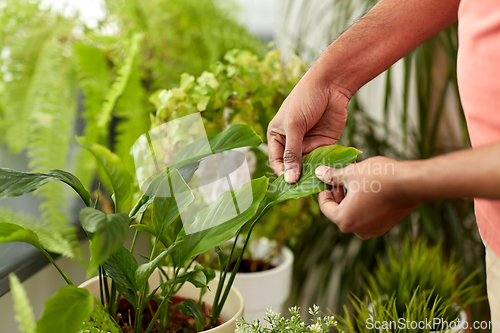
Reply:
x=247 y=89
x=120 y=279
x=415 y=282
x=423 y=314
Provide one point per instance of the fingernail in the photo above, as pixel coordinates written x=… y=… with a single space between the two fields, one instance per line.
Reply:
x=291 y=176
x=320 y=171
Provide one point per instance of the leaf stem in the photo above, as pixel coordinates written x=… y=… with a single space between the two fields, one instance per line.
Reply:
x=236 y=267
x=66 y=278
x=135 y=235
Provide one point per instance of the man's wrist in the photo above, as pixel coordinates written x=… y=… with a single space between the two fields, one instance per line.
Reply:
x=413 y=177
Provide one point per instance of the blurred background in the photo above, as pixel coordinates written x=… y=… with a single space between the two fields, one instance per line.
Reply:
x=89 y=68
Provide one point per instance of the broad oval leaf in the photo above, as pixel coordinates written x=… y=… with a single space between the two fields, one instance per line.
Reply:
x=14 y=233
x=333 y=156
x=24 y=311
x=118 y=175
x=66 y=311
x=109 y=232
x=199 y=242
x=121 y=267
x=234 y=136
x=15 y=183
x=190 y=307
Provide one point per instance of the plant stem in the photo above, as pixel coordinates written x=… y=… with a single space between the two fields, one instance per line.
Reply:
x=66 y=278
x=236 y=267
x=112 y=297
x=101 y=293
x=106 y=289
x=165 y=301
x=135 y=235
x=222 y=279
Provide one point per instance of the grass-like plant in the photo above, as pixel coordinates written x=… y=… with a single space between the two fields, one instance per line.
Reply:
x=423 y=314
x=412 y=283
x=413 y=266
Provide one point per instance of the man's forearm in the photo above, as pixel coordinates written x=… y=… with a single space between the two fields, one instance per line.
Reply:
x=470 y=173
x=390 y=30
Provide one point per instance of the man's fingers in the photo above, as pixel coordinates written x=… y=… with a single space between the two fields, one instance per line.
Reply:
x=328 y=205
x=338 y=193
x=275 y=151
x=330 y=176
x=292 y=155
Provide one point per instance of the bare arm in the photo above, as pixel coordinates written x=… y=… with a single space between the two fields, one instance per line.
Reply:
x=381 y=191
x=389 y=31
x=314 y=114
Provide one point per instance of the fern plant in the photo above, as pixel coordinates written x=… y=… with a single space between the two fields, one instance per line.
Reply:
x=49 y=63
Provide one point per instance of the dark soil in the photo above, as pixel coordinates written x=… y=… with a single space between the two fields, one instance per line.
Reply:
x=251 y=266
x=179 y=323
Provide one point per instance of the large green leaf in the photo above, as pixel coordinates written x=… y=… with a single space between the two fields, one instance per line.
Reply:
x=15 y=183
x=234 y=136
x=333 y=156
x=109 y=231
x=14 y=233
x=172 y=197
x=24 y=311
x=204 y=240
x=54 y=238
x=118 y=175
x=66 y=311
x=121 y=267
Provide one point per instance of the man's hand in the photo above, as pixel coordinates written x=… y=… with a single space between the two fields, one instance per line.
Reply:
x=309 y=118
x=314 y=114
x=375 y=199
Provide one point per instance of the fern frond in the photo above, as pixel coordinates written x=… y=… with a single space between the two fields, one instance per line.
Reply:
x=62 y=240
x=52 y=101
x=94 y=77
x=25 y=29
x=120 y=83
x=24 y=311
x=132 y=111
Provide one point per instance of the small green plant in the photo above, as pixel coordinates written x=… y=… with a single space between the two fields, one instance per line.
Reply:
x=413 y=283
x=414 y=266
x=423 y=314
x=107 y=233
x=242 y=89
x=278 y=324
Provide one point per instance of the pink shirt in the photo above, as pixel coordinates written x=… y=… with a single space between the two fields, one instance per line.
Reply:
x=479 y=84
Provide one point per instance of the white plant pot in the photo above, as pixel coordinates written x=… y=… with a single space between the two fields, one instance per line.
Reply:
x=266 y=289
x=233 y=308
